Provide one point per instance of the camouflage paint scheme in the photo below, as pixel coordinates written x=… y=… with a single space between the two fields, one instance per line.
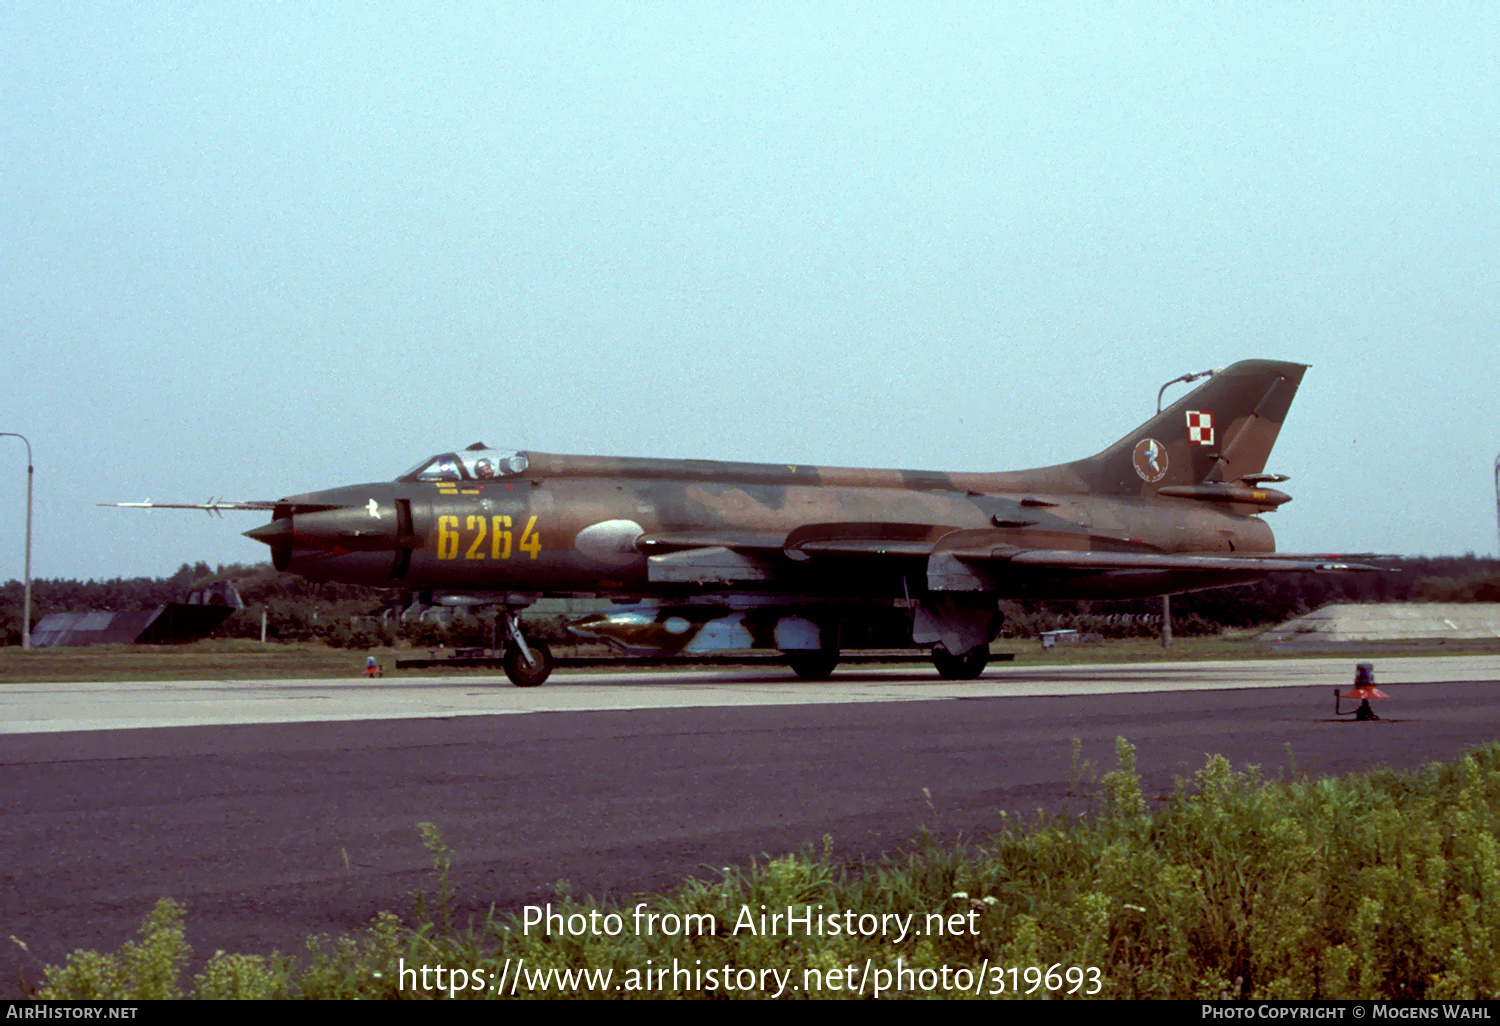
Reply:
x=708 y=555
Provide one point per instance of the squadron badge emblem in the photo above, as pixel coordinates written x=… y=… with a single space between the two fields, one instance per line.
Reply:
x=1150 y=458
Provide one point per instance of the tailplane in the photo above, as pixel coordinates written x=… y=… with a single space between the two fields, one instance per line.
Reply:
x=1215 y=439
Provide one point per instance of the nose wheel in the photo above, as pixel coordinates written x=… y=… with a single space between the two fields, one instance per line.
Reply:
x=527 y=664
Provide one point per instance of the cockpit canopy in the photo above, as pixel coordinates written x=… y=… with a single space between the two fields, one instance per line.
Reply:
x=476 y=463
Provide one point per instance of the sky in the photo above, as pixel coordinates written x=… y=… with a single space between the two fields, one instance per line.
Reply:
x=257 y=249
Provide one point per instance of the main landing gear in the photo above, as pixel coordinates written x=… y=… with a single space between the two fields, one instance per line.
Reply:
x=812 y=663
x=960 y=667
x=527 y=663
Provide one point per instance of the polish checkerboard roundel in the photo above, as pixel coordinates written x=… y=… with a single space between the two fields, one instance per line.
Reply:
x=1200 y=427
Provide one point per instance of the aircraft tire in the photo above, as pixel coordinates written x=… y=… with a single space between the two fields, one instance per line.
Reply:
x=812 y=664
x=521 y=675
x=961 y=667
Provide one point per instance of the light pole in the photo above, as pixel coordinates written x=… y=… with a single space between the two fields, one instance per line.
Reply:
x=26 y=601
x=1497 y=494
x=1166 y=600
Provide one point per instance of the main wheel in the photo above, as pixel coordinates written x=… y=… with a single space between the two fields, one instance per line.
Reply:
x=960 y=667
x=812 y=663
x=521 y=675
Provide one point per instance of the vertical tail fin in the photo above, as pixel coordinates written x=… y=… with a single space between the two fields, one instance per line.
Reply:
x=1219 y=433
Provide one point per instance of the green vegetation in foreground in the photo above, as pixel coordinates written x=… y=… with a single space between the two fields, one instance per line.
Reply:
x=1385 y=886
x=240 y=659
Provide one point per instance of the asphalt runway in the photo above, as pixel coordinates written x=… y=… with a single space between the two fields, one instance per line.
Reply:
x=277 y=809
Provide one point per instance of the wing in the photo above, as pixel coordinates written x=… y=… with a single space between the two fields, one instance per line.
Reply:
x=714 y=556
x=954 y=560
x=1263 y=562
x=711 y=557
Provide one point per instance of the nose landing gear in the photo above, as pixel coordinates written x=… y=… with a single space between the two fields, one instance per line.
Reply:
x=527 y=664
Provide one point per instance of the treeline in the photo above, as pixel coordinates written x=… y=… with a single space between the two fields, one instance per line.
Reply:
x=292 y=608
x=300 y=610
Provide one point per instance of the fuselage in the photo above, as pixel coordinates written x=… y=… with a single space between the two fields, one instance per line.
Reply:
x=493 y=521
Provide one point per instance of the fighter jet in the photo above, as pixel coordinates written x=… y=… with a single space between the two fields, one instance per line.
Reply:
x=700 y=556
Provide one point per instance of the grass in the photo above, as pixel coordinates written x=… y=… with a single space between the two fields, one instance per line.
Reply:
x=239 y=659
x=233 y=659
x=1380 y=886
